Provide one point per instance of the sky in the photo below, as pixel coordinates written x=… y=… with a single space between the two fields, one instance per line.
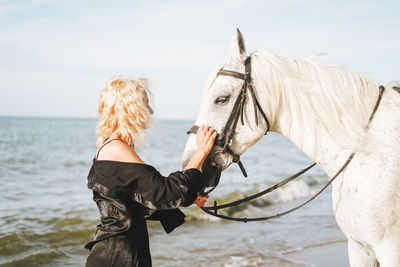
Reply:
x=56 y=56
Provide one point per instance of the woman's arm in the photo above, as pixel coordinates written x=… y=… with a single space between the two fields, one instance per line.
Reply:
x=179 y=181
x=147 y=186
x=158 y=192
x=205 y=141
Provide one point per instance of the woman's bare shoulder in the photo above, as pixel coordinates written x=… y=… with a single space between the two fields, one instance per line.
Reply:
x=119 y=151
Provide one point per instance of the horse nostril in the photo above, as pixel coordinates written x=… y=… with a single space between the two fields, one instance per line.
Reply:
x=219 y=159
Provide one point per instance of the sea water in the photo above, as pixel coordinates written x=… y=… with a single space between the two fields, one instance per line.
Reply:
x=47 y=213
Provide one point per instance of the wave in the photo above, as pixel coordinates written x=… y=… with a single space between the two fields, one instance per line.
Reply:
x=76 y=163
x=43 y=240
x=37 y=258
x=18 y=161
x=47 y=242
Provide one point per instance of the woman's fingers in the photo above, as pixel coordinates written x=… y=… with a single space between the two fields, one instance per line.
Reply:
x=201 y=130
x=211 y=141
x=205 y=138
x=201 y=200
x=204 y=128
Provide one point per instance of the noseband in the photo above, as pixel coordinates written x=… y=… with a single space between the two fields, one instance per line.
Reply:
x=224 y=139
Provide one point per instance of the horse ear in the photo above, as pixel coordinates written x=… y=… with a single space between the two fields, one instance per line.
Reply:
x=240 y=41
x=238 y=49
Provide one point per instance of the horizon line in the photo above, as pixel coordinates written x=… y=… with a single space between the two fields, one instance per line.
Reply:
x=74 y=117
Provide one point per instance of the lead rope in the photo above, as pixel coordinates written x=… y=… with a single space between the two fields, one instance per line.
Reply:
x=245 y=219
x=213 y=210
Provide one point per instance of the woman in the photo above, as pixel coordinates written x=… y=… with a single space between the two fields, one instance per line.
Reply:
x=126 y=190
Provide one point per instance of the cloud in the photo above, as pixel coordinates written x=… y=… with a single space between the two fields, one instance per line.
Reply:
x=133 y=39
x=12 y=5
x=176 y=43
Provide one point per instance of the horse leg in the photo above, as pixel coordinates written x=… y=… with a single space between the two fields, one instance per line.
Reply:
x=388 y=253
x=361 y=256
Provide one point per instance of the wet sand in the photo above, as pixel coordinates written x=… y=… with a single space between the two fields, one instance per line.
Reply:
x=326 y=255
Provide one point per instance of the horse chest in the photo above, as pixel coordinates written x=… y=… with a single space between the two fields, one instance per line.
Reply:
x=365 y=199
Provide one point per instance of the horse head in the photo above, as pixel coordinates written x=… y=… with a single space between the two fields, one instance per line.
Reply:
x=230 y=105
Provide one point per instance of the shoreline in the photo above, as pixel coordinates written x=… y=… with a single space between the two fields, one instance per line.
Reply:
x=331 y=254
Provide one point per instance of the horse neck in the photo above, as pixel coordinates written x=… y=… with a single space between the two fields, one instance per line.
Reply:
x=304 y=101
x=325 y=152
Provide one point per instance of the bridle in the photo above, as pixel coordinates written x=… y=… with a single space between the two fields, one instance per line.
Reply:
x=224 y=140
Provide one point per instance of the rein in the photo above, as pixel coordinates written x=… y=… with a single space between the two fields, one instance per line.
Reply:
x=225 y=139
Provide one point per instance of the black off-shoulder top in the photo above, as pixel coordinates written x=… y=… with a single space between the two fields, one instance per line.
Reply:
x=127 y=194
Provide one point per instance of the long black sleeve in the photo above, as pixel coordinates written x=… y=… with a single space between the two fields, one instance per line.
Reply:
x=145 y=185
x=161 y=193
x=127 y=194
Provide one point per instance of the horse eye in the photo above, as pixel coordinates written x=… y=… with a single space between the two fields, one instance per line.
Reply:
x=222 y=99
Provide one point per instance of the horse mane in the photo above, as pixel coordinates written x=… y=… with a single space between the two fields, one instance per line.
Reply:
x=313 y=95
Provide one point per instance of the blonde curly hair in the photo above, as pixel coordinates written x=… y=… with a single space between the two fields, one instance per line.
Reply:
x=124 y=106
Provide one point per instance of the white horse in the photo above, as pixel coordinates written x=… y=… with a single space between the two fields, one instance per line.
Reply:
x=324 y=110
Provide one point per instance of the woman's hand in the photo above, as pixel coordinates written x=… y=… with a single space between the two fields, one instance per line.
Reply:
x=205 y=141
x=201 y=200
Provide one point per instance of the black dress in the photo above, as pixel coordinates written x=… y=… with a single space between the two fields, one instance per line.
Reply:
x=126 y=195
